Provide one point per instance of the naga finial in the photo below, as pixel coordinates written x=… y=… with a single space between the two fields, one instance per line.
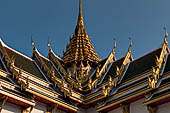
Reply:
x=49 y=44
x=166 y=35
x=32 y=42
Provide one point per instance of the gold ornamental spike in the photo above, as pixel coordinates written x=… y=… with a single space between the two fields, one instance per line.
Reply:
x=80 y=17
x=114 y=43
x=166 y=35
x=130 y=46
x=49 y=44
x=32 y=42
x=166 y=31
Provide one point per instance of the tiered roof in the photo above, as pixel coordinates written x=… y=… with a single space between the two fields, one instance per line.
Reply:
x=111 y=83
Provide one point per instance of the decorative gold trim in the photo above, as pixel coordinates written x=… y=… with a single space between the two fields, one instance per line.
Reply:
x=159 y=98
x=51 y=74
x=111 y=58
x=17 y=97
x=152 y=81
x=112 y=82
x=122 y=100
x=10 y=62
x=52 y=100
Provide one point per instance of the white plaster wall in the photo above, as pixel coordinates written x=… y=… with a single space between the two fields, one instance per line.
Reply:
x=81 y=110
x=11 y=108
x=118 y=110
x=39 y=108
x=164 y=108
x=59 y=111
x=138 y=107
x=91 y=110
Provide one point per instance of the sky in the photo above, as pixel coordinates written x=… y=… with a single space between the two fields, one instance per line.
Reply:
x=105 y=20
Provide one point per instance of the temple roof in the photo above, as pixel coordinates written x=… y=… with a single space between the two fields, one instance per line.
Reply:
x=107 y=83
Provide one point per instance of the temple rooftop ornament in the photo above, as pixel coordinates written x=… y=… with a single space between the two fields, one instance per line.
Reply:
x=80 y=49
x=81 y=82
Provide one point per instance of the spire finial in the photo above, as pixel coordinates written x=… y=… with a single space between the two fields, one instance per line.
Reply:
x=80 y=17
x=49 y=44
x=166 y=35
x=166 y=32
x=114 y=43
x=130 y=39
x=32 y=42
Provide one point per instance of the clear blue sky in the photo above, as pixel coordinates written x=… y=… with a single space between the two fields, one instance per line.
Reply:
x=105 y=20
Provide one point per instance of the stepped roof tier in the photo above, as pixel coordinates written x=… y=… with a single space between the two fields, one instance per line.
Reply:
x=80 y=80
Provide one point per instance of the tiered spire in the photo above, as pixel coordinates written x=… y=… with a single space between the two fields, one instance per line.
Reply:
x=80 y=49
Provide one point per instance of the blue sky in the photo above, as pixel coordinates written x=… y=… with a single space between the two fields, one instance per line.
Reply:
x=143 y=20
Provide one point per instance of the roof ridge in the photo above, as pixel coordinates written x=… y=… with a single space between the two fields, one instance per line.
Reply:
x=146 y=54
x=12 y=49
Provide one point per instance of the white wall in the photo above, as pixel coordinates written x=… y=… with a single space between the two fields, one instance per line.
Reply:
x=81 y=110
x=91 y=110
x=59 y=111
x=135 y=107
x=138 y=107
x=164 y=108
x=39 y=108
x=118 y=110
x=10 y=108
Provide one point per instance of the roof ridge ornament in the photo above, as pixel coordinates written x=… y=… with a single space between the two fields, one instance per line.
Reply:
x=153 y=80
x=166 y=35
x=130 y=46
x=49 y=45
x=32 y=42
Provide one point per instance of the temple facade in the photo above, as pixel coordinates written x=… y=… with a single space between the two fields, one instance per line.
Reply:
x=81 y=82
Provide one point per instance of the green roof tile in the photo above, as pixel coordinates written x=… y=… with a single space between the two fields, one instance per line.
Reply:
x=25 y=63
x=141 y=65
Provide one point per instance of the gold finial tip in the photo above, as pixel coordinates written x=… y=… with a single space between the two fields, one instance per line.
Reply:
x=114 y=43
x=166 y=31
x=130 y=41
x=130 y=44
x=32 y=42
x=49 y=42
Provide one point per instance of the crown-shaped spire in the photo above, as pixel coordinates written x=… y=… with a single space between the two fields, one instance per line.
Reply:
x=80 y=49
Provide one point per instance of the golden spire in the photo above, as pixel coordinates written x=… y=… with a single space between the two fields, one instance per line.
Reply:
x=80 y=49
x=80 y=16
x=80 y=29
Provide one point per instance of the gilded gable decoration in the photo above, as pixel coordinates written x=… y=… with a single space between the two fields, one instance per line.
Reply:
x=80 y=81
x=159 y=61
